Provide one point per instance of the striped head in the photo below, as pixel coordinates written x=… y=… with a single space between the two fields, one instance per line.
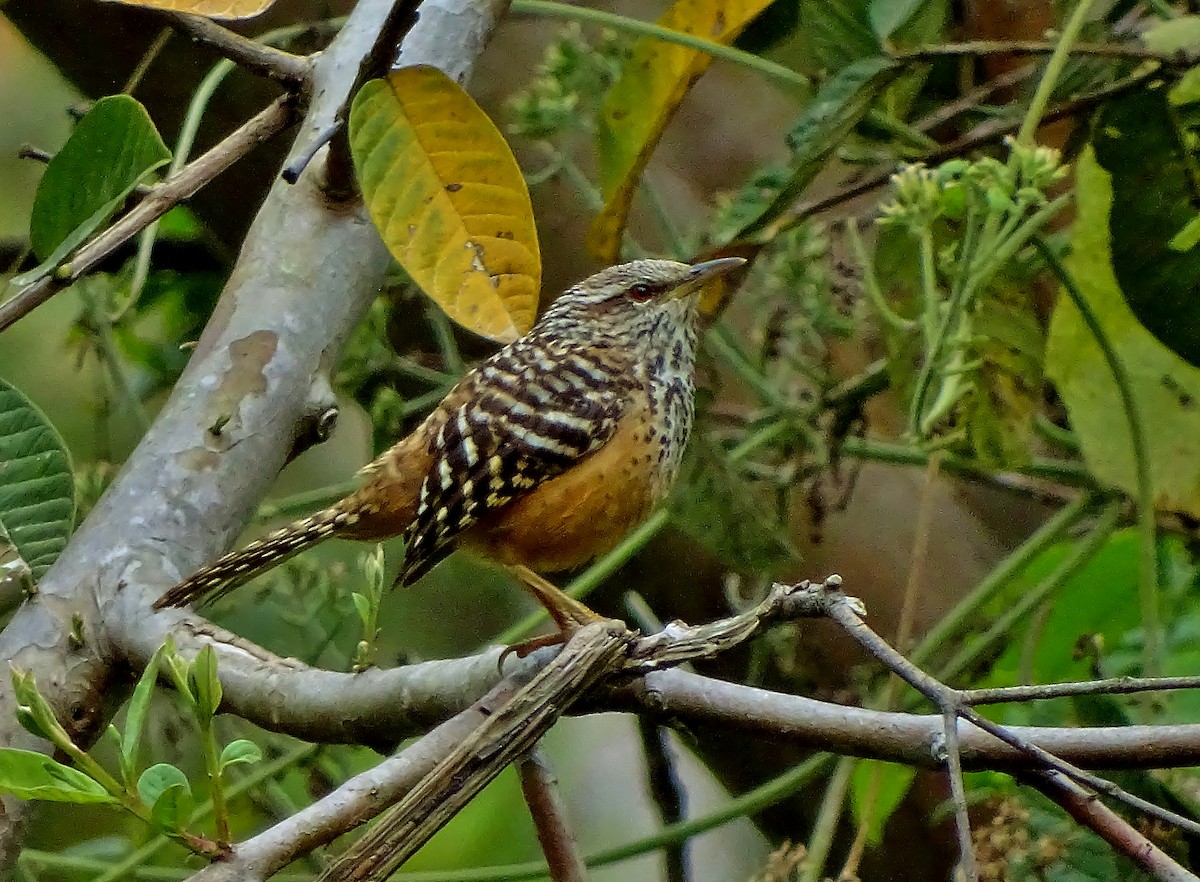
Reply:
x=637 y=305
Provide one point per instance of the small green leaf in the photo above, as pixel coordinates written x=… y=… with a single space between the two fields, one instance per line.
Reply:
x=888 y=15
x=135 y=718
x=715 y=506
x=832 y=114
x=240 y=751
x=28 y=774
x=178 y=668
x=838 y=32
x=158 y=780
x=363 y=605
x=1187 y=238
x=1181 y=34
x=173 y=807
x=112 y=150
x=878 y=788
x=202 y=679
x=34 y=713
x=37 y=490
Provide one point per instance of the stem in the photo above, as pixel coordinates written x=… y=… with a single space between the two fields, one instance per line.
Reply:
x=212 y=767
x=870 y=283
x=932 y=329
x=784 y=76
x=1054 y=69
x=1078 y=556
x=131 y=867
x=1063 y=471
x=824 y=828
x=1147 y=528
x=955 y=621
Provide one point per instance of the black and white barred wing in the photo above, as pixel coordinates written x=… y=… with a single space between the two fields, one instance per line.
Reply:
x=530 y=419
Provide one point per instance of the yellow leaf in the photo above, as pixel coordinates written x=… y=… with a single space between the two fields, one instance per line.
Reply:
x=642 y=102
x=222 y=9
x=446 y=194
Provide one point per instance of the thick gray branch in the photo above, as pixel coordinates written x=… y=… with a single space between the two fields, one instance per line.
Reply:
x=380 y=706
x=307 y=271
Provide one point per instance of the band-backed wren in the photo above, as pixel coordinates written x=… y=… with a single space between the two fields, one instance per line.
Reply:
x=541 y=458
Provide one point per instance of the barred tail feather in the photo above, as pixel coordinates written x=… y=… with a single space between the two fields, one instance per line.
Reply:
x=239 y=567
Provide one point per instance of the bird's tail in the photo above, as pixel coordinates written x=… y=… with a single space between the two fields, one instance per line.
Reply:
x=239 y=567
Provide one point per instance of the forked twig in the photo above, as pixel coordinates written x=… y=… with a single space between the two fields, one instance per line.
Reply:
x=953 y=704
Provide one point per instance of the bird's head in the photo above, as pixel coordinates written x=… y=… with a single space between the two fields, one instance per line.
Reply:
x=629 y=302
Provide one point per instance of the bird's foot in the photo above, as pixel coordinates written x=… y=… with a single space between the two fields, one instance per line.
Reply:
x=568 y=613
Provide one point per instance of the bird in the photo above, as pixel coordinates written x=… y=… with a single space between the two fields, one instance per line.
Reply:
x=541 y=458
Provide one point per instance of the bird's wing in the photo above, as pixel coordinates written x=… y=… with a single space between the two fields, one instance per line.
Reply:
x=530 y=418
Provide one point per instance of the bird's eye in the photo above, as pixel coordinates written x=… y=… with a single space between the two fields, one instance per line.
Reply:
x=641 y=293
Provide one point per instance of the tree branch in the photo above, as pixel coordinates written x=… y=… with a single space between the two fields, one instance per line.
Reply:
x=540 y=789
x=283 y=67
x=431 y=779
x=1085 y=808
x=380 y=706
x=156 y=202
x=304 y=278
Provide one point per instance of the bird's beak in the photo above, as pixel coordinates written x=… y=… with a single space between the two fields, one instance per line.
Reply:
x=703 y=273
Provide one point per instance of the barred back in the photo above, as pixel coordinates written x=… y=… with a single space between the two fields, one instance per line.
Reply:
x=537 y=407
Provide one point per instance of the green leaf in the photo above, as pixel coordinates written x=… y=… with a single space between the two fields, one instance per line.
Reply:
x=832 y=114
x=37 y=490
x=240 y=751
x=203 y=682
x=112 y=150
x=879 y=788
x=888 y=15
x=732 y=520
x=28 y=774
x=1006 y=387
x=33 y=712
x=1180 y=34
x=173 y=808
x=363 y=605
x=839 y=32
x=166 y=784
x=1147 y=144
x=135 y=717
x=1166 y=387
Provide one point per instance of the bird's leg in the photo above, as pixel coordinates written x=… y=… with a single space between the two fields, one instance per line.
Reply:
x=567 y=612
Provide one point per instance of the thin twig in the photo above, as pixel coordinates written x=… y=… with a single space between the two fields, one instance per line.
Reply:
x=1109 y=826
x=1040 y=47
x=158 y=201
x=339 y=182
x=1110 y=686
x=147 y=59
x=540 y=789
x=967 y=864
x=987 y=133
x=667 y=794
x=293 y=71
x=845 y=613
